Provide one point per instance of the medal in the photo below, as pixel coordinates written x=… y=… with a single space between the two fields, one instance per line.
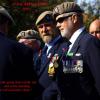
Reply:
x=80 y=66
x=55 y=65
x=51 y=69
x=55 y=58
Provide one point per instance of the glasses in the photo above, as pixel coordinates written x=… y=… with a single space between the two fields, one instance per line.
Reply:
x=60 y=20
x=95 y=32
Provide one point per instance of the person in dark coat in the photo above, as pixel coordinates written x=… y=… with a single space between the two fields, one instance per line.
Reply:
x=81 y=78
x=30 y=38
x=17 y=77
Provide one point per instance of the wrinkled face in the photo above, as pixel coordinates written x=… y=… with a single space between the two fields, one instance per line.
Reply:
x=33 y=43
x=95 y=30
x=65 y=26
x=47 y=31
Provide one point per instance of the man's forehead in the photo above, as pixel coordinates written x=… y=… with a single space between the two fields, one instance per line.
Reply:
x=45 y=24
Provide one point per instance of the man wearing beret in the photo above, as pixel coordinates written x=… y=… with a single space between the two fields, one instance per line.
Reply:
x=53 y=49
x=31 y=39
x=81 y=81
x=16 y=65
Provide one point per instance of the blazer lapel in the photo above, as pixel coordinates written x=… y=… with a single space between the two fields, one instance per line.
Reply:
x=42 y=69
x=44 y=65
x=76 y=45
x=53 y=50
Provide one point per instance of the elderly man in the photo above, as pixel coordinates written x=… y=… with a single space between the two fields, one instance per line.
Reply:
x=81 y=79
x=16 y=64
x=94 y=28
x=53 y=49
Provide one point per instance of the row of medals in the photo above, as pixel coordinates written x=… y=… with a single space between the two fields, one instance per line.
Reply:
x=53 y=65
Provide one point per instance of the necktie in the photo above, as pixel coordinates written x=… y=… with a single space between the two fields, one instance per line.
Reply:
x=69 y=44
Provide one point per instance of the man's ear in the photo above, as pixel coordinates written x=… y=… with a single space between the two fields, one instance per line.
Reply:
x=74 y=18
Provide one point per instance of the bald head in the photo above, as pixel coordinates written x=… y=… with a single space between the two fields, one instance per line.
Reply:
x=94 y=28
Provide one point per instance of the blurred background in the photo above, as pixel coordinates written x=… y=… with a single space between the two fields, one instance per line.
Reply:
x=25 y=12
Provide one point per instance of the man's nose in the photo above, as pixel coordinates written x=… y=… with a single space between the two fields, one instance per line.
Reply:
x=58 y=25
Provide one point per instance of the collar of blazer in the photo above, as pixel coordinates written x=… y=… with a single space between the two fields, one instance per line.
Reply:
x=76 y=45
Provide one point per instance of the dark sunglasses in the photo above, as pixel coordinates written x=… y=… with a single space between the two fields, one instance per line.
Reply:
x=60 y=20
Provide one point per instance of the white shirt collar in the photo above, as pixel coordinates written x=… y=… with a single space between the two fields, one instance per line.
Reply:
x=75 y=36
x=49 y=47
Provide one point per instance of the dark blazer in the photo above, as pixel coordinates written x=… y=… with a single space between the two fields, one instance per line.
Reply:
x=86 y=85
x=16 y=65
x=50 y=89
